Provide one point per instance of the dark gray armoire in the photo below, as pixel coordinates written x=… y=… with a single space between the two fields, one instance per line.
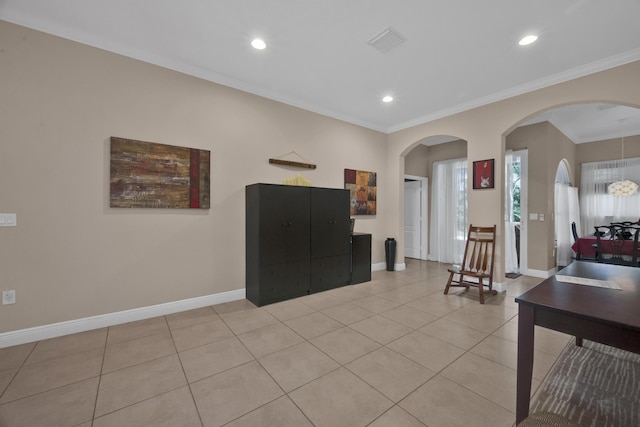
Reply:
x=297 y=241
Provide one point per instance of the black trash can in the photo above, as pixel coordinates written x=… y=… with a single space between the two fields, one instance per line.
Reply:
x=390 y=252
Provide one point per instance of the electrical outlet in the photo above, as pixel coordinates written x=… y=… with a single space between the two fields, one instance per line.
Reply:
x=8 y=297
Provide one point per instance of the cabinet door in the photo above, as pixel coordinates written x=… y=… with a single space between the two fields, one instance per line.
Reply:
x=284 y=224
x=330 y=272
x=330 y=226
x=283 y=281
x=360 y=258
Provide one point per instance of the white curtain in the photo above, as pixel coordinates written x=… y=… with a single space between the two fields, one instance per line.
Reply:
x=510 y=251
x=567 y=210
x=599 y=207
x=574 y=209
x=448 y=231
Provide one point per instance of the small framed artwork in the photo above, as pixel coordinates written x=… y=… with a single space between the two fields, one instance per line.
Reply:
x=483 y=174
x=362 y=186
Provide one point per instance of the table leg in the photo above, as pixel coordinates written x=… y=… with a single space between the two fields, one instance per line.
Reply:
x=525 y=361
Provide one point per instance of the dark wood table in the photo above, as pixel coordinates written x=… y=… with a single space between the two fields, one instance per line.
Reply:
x=607 y=316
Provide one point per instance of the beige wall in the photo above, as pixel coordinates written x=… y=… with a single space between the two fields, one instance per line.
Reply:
x=546 y=148
x=484 y=128
x=71 y=256
x=610 y=149
x=419 y=161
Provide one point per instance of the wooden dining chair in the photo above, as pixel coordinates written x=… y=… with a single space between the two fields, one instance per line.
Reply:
x=635 y=236
x=625 y=223
x=635 y=257
x=574 y=231
x=477 y=262
x=617 y=244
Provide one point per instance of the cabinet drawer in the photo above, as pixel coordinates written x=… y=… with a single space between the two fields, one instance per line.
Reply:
x=330 y=272
x=283 y=281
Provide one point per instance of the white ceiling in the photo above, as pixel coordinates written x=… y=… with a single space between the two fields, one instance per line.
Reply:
x=592 y=122
x=457 y=54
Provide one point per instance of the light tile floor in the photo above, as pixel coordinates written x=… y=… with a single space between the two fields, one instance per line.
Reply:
x=391 y=352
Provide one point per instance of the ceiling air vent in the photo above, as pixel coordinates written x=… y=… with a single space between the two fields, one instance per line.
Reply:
x=386 y=40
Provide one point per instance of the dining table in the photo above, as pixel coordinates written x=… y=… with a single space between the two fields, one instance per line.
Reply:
x=586 y=246
x=593 y=301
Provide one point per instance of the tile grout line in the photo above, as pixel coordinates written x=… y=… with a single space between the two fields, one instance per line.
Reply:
x=184 y=373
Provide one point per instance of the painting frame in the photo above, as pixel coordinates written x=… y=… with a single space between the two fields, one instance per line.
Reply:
x=363 y=191
x=483 y=174
x=151 y=175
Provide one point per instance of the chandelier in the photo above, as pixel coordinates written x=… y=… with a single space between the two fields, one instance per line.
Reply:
x=624 y=187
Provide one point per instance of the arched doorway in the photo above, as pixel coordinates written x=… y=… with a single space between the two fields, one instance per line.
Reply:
x=435 y=209
x=560 y=140
x=566 y=211
x=487 y=129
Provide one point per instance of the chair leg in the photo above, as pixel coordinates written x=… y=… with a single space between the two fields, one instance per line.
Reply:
x=446 y=288
x=578 y=341
x=481 y=288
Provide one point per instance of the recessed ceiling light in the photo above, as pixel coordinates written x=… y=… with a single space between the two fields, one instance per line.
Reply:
x=387 y=98
x=528 y=39
x=258 y=44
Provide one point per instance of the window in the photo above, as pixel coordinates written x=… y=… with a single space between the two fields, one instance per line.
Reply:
x=599 y=207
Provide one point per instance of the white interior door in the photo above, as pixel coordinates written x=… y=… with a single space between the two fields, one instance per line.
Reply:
x=415 y=217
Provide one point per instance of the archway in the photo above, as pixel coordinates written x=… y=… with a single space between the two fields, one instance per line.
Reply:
x=425 y=156
x=566 y=211
x=560 y=139
x=486 y=129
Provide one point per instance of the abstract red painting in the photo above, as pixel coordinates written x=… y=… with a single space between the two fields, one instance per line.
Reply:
x=151 y=175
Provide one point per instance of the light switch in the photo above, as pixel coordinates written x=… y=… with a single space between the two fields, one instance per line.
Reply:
x=541 y=217
x=533 y=217
x=8 y=220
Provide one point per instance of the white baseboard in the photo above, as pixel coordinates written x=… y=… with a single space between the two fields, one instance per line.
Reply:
x=378 y=266
x=53 y=330
x=500 y=287
x=383 y=266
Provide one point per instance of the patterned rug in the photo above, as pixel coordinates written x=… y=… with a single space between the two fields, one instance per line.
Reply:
x=594 y=386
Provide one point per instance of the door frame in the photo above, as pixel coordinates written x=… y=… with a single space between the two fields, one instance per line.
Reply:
x=524 y=209
x=424 y=213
